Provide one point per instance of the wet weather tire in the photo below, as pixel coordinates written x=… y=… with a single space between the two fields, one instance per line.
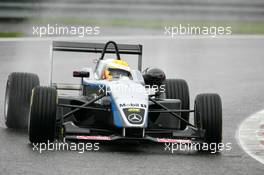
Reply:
x=178 y=89
x=17 y=99
x=208 y=116
x=42 y=121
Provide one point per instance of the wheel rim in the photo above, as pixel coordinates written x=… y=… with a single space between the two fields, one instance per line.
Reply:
x=6 y=101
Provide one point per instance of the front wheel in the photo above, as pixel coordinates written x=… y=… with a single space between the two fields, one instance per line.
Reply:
x=42 y=121
x=208 y=116
x=17 y=98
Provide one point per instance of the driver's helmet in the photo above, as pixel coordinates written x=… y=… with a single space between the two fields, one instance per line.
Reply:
x=116 y=69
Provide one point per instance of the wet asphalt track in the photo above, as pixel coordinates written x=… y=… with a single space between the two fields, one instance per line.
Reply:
x=232 y=67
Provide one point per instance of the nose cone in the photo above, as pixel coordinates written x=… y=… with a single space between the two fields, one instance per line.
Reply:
x=131 y=100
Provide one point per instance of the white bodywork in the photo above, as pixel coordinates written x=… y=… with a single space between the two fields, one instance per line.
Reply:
x=124 y=94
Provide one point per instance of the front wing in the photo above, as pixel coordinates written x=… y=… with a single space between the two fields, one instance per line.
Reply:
x=187 y=136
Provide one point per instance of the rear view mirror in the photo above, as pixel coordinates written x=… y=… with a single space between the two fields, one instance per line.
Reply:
x=81 y=74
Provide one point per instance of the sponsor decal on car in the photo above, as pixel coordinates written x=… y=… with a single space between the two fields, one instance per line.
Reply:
x=133 y=110
x=135 y=118
x=132 y=105
x=165 y=140
x=93 y=137
x=134 y=115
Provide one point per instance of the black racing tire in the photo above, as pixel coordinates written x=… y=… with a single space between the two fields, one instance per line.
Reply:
x=42 y=119
x=208 y=116
x=178 y=89
x=17 y=99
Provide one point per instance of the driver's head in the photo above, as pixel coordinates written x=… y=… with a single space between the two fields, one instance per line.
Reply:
x=116 y=69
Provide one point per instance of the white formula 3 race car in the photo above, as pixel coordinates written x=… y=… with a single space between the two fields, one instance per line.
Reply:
x=114 y=103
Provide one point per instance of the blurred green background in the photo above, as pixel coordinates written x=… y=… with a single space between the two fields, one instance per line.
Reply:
x=131 y=17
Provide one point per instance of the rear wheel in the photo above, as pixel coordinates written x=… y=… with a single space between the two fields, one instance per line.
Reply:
x=17 y=99
x=208 y=116
x=178 y=89
x=42 y=121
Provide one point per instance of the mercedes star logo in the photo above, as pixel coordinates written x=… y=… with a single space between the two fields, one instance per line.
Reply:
x=134 y=118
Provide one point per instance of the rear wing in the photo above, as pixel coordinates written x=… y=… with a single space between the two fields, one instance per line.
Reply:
x=65 y=46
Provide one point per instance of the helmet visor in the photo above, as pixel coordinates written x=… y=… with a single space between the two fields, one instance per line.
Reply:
x=118 y=73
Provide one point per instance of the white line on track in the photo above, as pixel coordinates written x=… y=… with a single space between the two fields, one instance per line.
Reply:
x=250 y=136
